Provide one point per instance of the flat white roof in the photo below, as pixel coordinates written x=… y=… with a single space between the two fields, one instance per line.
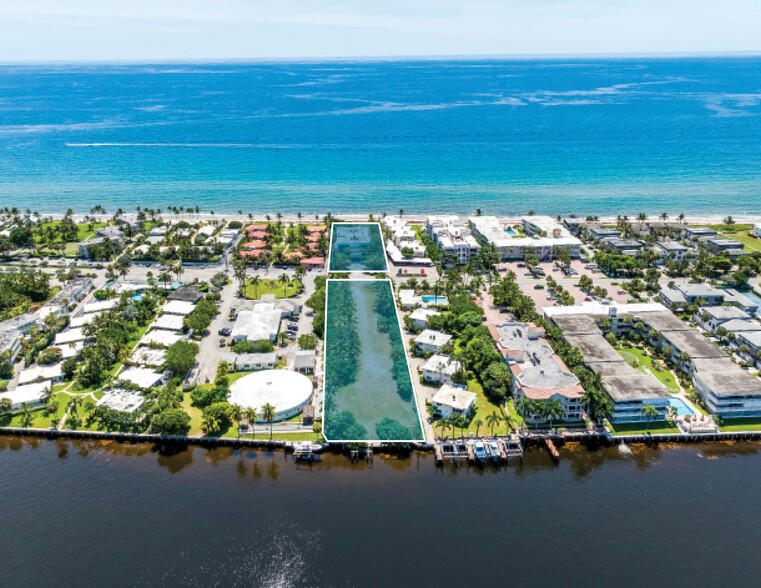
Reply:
x=431 y=337
x=599 y=309
x=161 y=337
x=142 y=377
x=99 y=306
x=70 y=349
x=81 y=320
x=121 y=400
x=148 y=356
x=178 y=307
x=46 y=372
x=284 y=389
x=170 y=322
x=257 y=325
x=27 y=393
x=457 y=398
x=69 y=336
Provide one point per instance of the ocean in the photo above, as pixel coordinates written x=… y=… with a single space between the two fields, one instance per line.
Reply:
x=584 y=136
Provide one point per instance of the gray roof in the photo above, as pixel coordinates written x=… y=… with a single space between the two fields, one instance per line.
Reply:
x=725 y=378
x=572 y=324
x=624 y=243
x=19 y=322
x=695 y=344
x=662 y=321
x=631 y=384
x=699 y=231
x=672 y=295
x=186 y=294
x=256 y=358
x=594 y=347
x=305 y=358
x=724 y=313
x=699 y=290
x=671 y=246
x=740 y=325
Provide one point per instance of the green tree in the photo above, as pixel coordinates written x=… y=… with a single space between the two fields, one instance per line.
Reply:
x=269 y=414
x=180 y=357
x=650 y=413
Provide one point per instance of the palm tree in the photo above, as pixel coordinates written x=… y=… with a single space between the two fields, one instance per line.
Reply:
x=251 y=416
x=269 y=414
x=210 y=424
x=443 y=424
x=492 y=420
x=236 y=414
x=284 y=280
x=553 y=409
x=255 y=281
x=649 y=412
x=478 y=423
x=26 y=415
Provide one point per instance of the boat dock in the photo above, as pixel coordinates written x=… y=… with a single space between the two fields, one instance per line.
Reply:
x=497 y=450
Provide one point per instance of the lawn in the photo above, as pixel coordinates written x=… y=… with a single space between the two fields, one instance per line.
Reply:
x=270 y=287
x=740 y=425
x=739 y=232
x=84 y=231
x=645 y=365
x=656 y=428
x=484 y=407
x=41 y=419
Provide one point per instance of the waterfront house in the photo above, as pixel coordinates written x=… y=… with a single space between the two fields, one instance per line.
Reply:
x=696 y=233
x=304 y=361
x=451 y=399
x=31 y=395
x=671 y=251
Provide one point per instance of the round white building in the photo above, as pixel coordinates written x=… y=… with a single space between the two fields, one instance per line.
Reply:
x=289 y=392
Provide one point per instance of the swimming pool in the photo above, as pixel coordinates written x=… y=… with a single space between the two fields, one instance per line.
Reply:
x=510 y=231
x=434 y=299
x=680 y=406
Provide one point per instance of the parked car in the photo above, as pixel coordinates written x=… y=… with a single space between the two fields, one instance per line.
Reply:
x=222 y=342
x=538 y=286
x=225 y=332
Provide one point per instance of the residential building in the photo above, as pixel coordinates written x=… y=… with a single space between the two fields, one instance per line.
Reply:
x=420 y=317
x=10 y=342
x=719 y=245
x=22 y=323
x=671 y=251
x=304 y=361
x=31 y=395
x=250 y=362
x=39 y=373
x=718 y=315
x=440 y=368
x=601 y=233
x=696 y=233
x=452 y=236
x=450 y=400
x=625 y=246
x=544 y=237
x=538 y=373
x=260 y=324
x=430 y=341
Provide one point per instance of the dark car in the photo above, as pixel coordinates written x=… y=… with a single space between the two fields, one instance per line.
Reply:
x=224 y=332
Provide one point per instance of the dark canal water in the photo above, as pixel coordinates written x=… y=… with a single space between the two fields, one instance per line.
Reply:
x=86 y=513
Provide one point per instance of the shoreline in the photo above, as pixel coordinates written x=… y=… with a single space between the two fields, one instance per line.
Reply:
x=308 y=218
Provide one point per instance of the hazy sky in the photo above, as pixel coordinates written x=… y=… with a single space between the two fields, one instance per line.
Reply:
x=208 y=29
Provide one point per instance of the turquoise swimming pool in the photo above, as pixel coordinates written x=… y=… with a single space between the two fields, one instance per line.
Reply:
x=510 y=231
x=434 y=299
x=680 y=406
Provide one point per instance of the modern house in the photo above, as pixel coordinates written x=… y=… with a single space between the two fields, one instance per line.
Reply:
x=31 y=395
x=671 y=251
x=450 y=400
x=430 y=341
x=625 y=246
x=696 y=233
x=601 y=233
x=440 y=368
x=421 y=316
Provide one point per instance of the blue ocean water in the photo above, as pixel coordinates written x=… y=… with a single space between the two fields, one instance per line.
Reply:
x=602 y=136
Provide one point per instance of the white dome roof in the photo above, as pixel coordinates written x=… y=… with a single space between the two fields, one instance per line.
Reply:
x=283 y=389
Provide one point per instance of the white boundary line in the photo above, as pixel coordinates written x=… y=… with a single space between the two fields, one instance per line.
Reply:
x=406 y=358
x=383 y=246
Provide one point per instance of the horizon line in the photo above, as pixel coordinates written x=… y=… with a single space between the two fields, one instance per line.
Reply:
x=411 y=58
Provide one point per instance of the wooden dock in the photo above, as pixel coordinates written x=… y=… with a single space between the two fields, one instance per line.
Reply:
x=552 y=449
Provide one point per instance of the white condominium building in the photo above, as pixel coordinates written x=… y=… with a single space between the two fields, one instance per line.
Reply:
x=453 y=236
